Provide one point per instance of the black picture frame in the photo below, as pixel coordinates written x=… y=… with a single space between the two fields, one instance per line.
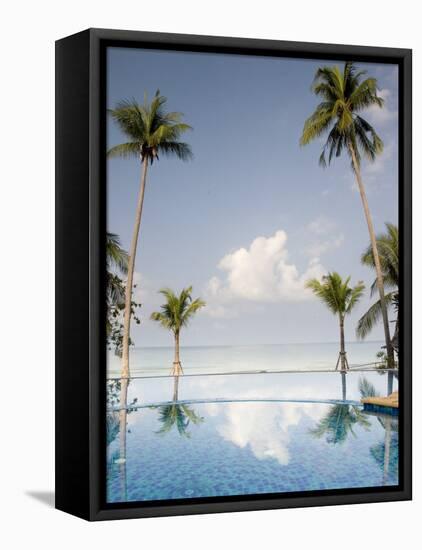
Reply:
x=80 y=227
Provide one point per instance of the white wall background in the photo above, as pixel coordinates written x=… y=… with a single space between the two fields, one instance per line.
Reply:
x=27 y=271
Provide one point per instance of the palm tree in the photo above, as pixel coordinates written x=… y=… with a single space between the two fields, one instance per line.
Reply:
x=340 y=299
x=175 y=314
x=151 y=131
x=344 y=94
x=388 y=249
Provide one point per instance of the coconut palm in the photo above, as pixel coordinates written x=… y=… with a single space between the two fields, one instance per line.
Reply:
x=151 y=131
x=340 y=298
x=175 y=314
x=344 y=95
x=388 y=249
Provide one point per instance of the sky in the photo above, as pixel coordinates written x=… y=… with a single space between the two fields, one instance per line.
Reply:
x=253 y=215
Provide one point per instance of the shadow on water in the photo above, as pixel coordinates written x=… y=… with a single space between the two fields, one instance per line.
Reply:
x=45 y=497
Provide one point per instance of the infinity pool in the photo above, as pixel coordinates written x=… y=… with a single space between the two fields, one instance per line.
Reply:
x=207 y=436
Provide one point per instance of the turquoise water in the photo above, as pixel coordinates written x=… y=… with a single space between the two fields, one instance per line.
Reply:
x=212 y=359
x=225 y=435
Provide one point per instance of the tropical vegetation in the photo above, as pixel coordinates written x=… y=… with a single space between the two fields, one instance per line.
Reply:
x=151 y=131
x=176 y=313
x=388 y=248
x=340 y=298
x=344 y=95
x=116 y=268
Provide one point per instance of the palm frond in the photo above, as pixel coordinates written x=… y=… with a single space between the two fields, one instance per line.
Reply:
x=124 y=150
x=177 y=310
x=150 y=129
x=344 y=93
x=336 y=293
x=374 y=314
x=115 y=255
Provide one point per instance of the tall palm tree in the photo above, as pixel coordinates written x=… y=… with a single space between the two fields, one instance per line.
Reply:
x=150 y=131
x=388 y=249
x=344 y=95
x=175 y=314
x=340 y=298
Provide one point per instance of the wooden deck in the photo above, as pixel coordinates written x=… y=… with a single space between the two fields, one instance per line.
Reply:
x=389 y=404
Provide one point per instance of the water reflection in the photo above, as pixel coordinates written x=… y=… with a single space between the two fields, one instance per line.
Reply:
x=386 y=452
x=268 y=432
x=339 y=422
x=177 y=415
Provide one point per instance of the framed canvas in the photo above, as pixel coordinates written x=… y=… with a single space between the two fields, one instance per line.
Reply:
x=233 y=323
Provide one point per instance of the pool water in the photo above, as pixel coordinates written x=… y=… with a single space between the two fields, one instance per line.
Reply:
x=208 y=436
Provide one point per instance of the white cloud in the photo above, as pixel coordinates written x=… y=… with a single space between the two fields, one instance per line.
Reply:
x=260 y=273
x=371 y=171
x=317 y=248
x=321 y=230
x=382 y=115
x=378 y=166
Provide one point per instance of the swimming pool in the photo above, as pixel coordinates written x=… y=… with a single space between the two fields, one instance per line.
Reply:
x=226 y=435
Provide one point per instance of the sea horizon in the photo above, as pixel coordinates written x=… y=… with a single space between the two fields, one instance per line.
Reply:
x=204 y=359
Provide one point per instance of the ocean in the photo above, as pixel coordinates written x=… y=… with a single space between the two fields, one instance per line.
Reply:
x=157 y=361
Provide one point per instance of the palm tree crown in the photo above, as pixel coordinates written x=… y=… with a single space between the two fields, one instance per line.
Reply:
x=344 y=94
x=178 y=310
x=339 y=297
x=150 y=129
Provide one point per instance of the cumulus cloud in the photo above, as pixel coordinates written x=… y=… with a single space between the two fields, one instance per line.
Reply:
x=260 y=273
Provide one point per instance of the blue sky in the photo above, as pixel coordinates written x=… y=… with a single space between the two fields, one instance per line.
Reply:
x=252 y=216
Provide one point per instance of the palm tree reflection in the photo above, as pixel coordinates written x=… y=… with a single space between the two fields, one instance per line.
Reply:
x=385 y=453
x=339 y=422
x=178 y=415
x=116 y=426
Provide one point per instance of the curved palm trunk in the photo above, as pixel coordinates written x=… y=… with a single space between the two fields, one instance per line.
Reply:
x=130 y=271
x=380 y=280
x=177 y=366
